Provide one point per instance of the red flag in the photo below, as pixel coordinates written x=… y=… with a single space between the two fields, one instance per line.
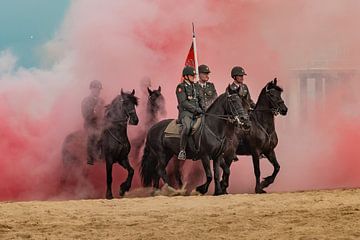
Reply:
x=190 y=59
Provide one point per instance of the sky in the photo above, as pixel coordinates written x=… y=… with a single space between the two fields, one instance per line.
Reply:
x=122 y=43
x=26 y=25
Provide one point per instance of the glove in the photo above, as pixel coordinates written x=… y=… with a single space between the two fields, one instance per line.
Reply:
x=199 y=111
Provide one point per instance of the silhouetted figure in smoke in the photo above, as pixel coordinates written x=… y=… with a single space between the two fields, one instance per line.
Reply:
x=114 y=139
x=92 y=109
x=155 y=107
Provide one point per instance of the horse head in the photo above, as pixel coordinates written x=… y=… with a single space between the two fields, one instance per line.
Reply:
x=129 y=102
x=156 y=101
x=274 y=100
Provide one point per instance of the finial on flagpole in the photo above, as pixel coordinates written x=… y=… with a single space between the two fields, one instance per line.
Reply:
x=193 y=29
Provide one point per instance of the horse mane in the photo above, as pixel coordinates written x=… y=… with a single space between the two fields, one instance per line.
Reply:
x=219 y=98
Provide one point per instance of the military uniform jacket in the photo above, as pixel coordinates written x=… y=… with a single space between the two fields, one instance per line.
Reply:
x=244 y=94
x=208 y=93
x=92 y=109
x=188 y=98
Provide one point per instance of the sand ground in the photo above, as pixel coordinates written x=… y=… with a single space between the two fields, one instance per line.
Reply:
x=302 y=215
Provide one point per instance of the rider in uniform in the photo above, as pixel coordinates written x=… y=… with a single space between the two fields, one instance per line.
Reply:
x=206 y=89
x=237 y=73
x=92 y=109
x=190 y=105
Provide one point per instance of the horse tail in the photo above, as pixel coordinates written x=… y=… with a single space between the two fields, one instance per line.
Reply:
x=148 y=166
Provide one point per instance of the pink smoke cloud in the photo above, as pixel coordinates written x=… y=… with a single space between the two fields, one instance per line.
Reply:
x=123 y=42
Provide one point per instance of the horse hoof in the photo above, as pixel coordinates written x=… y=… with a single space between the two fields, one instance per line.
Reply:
x=109 y=196
x=218 y=193
x=260 y=191
x=201 y=190
x=122 y=193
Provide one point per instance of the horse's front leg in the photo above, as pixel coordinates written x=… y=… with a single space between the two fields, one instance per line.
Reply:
x=255 y=158
x=225 y=164
x=178 y=171
x=216 y=167
x=108 y=178
x=205 y=160
x=125 y=186
x=270 y=179
x=163 y=160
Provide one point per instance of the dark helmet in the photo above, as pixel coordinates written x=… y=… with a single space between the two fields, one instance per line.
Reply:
x=237 y=71
x=204 y=69
x=188 y=70
x=95 y=84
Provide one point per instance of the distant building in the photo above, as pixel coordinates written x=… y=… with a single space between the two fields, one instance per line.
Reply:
x=311 y=86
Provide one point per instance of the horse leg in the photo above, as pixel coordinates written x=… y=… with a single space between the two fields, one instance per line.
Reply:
x=270 y=179
x=206 y=164
x=108 y=179
x=163 y=161
x=125 y=186
x=216 y=168
x=178 y=171
x=225 y=165
x=256 y=163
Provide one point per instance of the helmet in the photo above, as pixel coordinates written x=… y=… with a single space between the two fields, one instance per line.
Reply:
x=237 y=71
x=204 y=69
x=95 y=84
x=188 y=70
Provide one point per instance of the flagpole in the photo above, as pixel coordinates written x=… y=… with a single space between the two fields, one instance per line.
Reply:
x=195 y=54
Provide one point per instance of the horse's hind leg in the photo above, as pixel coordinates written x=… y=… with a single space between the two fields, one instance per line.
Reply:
x=125 y=186
x=108 y=179
x=270 y=179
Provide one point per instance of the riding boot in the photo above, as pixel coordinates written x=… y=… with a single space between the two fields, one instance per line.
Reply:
x=183 y=142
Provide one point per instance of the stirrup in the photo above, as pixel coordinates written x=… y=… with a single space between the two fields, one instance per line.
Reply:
x=182 y=155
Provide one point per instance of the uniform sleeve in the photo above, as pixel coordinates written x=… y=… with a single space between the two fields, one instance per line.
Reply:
x=183 y=102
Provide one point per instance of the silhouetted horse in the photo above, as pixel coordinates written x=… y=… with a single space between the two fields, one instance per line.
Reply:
x=155 y=106
x=74 y=154
x=210 y=138
x=115 y=144
x=262 y=137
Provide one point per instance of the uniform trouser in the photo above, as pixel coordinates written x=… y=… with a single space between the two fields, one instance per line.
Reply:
x=186 y=122
x=92 y=146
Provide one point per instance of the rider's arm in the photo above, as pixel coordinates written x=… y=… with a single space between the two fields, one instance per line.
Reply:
x=183 y=101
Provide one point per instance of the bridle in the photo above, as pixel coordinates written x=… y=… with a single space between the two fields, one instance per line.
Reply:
x=231 y=118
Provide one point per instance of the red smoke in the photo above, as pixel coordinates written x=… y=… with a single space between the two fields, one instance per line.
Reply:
x=121 y=42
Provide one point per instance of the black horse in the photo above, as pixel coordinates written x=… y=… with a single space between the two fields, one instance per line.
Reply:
x=210 y=139
x=155 y=106
x=261 y=139
x=115 y=144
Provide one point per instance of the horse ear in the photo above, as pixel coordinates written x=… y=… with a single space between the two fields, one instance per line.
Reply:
x=149 y=91
x=275 y=81
x=159 y=89
x=133 y=92
x=121 y=92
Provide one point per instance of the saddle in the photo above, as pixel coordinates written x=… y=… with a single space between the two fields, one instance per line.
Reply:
x=174 y=129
